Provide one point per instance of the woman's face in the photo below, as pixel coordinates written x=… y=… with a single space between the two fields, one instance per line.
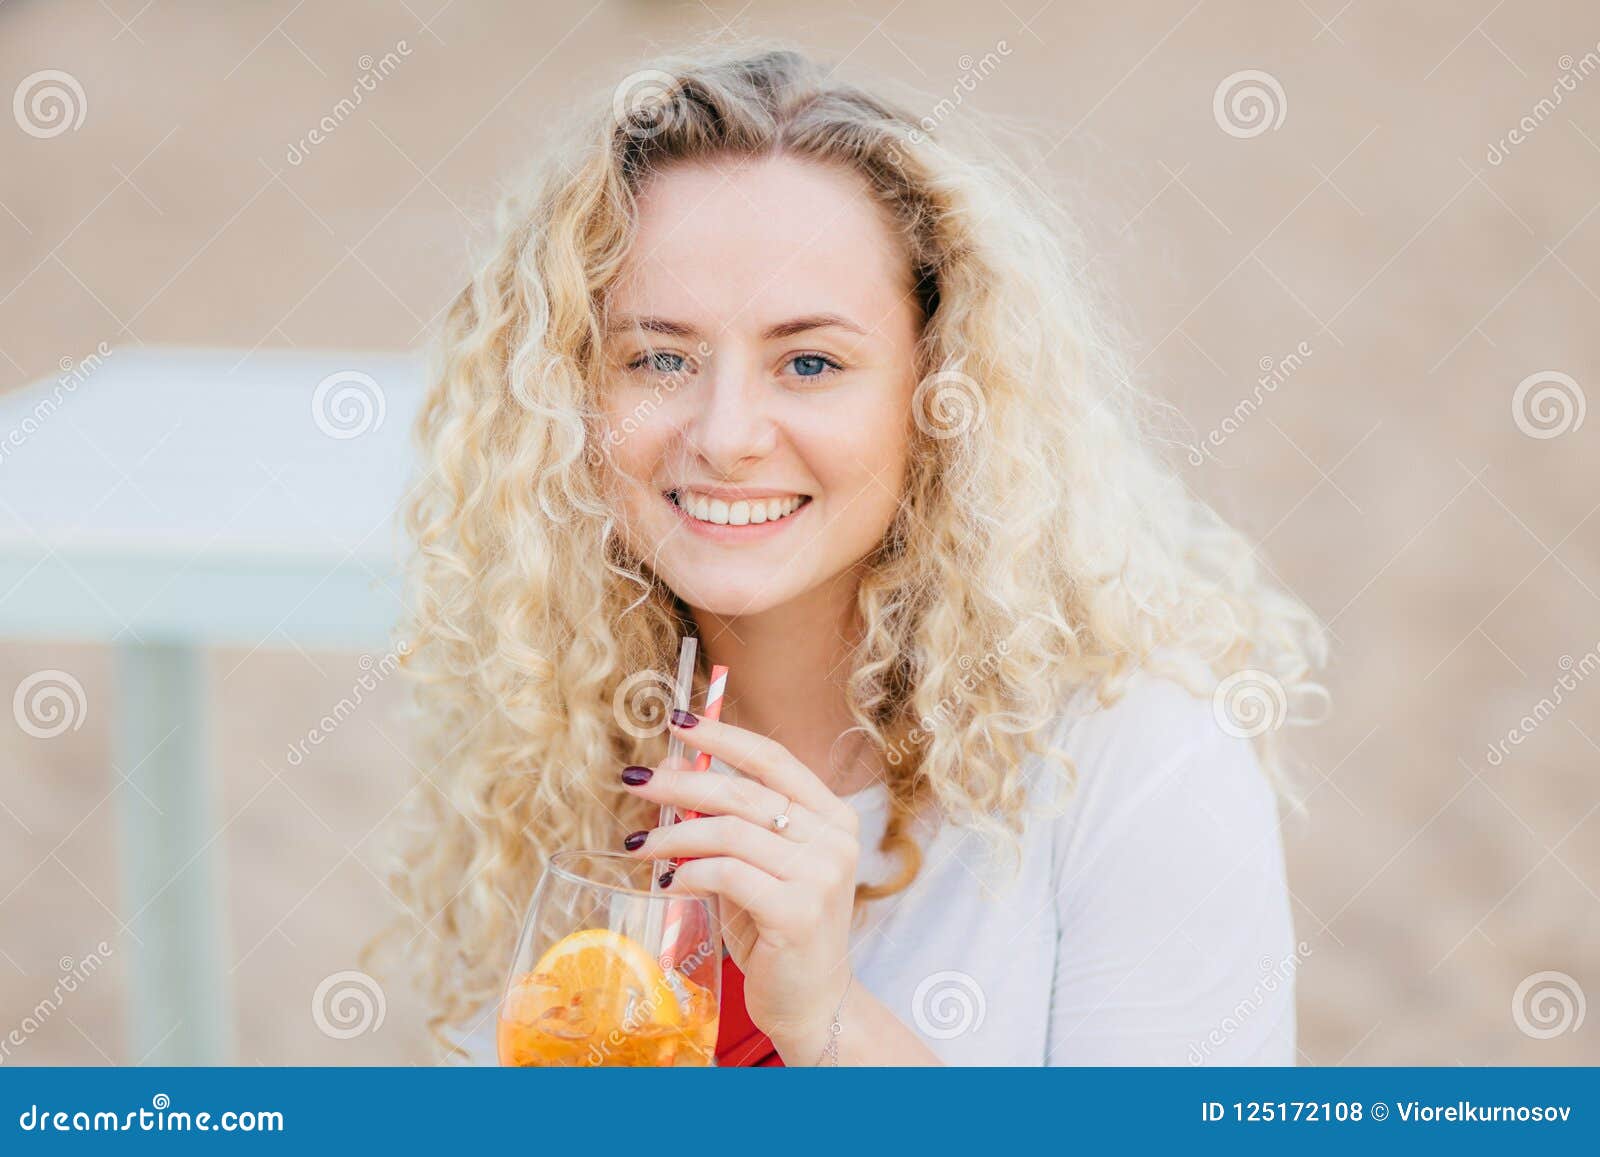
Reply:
x=759 y=369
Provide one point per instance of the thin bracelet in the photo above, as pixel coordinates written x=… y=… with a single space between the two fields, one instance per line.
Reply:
x=830 y=1051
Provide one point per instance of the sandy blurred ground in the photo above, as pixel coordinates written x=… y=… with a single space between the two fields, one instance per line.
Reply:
x=1454 y=555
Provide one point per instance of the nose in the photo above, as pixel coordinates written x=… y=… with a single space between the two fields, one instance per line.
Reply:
x=729 y=428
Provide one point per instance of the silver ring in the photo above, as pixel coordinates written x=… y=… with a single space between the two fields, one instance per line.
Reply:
x=781 y=820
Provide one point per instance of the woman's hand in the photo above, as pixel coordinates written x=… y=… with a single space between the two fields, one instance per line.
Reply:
x=787 y=891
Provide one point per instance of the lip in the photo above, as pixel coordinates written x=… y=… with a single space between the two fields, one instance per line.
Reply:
x=750 y=532
x=737 y=493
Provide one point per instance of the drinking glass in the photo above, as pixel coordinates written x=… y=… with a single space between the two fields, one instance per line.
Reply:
x=611 y=971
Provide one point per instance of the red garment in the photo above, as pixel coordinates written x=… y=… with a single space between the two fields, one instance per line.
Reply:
x=739 y=1042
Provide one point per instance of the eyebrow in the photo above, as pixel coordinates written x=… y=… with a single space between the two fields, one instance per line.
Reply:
x=782 y=329
x=651 y=325
x=809 y=322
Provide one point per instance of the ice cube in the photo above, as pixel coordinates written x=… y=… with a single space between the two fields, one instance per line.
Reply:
x=528 y=999
x=573 y=1021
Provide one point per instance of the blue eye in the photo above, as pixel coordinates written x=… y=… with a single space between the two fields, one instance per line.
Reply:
x=661 y=362
x=812 y=365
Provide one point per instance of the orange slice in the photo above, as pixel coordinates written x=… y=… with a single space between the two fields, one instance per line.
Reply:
x=597 y=960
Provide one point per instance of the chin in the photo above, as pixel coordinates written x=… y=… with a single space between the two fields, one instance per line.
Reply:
x=732 y=596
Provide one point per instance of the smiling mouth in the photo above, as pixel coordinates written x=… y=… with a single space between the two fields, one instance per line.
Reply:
x=742 y=512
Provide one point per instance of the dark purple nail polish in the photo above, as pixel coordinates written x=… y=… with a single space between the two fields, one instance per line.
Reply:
x=634 y=776
x=665 y=879
x=683 y=719
x=635 y=840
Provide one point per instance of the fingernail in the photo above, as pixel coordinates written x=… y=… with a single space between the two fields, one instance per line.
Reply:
x=635 y=840
x=665 y=879
x=634 y=776
x=683 y=719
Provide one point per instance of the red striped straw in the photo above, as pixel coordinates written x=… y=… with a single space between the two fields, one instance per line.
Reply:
x=713 y=711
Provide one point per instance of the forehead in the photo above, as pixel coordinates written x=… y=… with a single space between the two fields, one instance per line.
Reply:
x=748 y=241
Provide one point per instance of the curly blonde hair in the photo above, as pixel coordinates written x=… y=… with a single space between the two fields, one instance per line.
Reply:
x=528 y=612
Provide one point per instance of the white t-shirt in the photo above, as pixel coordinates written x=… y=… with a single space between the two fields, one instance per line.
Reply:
x=1149 y=924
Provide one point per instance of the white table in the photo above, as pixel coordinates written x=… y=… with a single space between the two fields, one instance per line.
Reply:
x=164 y=500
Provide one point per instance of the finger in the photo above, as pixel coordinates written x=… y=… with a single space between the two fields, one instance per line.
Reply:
x=725 y=835
x=712 y=793
x=749 y=887
x=758 y=757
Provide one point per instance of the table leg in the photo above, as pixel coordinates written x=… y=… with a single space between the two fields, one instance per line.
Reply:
x=179 y=1012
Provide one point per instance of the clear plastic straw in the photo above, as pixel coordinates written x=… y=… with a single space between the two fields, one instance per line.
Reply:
x=681 y=691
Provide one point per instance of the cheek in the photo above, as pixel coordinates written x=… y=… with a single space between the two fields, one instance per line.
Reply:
x=634 y=447
x=635 y=433
x=862 y=460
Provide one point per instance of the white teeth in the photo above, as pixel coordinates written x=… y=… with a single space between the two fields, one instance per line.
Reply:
x=741 y=513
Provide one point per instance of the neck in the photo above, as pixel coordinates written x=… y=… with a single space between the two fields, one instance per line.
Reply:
x=787 y=670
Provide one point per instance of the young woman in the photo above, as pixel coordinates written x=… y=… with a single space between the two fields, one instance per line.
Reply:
x=766 y=360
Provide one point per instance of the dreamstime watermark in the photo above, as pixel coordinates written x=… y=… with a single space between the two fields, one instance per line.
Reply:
x=974 y=672
x=372 y=72
x=348 y=1004
x=1573 y=72
x=643 y=1011
x=160 y=1117
x=1548 y=404
x=49 y=703
x=644 y=105
x=1250 y=703
x=48 y=103
x=348 y=404
x=1274 y=975
x=73 y=974
x=1274 y=372
x=1248 y=103
x=972 y=73
x=1548 y=1004
x=641 y=702
x=947 y=404
x=73 y=374
x=948 y=1004
x=373 y=672
x=1574 y=671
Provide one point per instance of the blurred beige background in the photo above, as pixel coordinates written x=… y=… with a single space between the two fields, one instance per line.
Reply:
x=1373 y=234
